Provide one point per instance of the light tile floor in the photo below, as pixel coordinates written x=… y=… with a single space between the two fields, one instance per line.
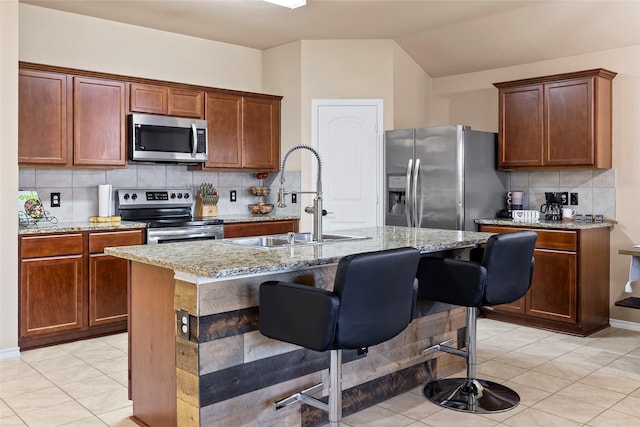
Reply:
x=562 y=380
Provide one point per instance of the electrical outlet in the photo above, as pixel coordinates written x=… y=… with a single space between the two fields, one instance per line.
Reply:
x=294 y=198
x=574 y=199
x=232 y=196
x=564 y=198
x=55 y=200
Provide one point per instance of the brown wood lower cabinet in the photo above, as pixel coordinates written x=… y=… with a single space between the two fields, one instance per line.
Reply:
x=260 y=228
x=570 y=287
x=69 y=289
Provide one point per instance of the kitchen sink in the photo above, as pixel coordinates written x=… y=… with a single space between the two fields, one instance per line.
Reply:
x=282 y=240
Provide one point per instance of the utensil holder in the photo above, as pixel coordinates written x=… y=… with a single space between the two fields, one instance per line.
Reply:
x=205 y=210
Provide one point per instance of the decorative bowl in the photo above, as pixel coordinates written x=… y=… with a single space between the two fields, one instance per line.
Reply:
x=261 y=209
x=260 y=191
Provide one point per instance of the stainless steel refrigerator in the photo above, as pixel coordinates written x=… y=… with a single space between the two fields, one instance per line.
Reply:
x=442 y=177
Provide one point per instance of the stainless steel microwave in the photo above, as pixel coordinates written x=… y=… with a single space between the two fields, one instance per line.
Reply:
x=167 y=139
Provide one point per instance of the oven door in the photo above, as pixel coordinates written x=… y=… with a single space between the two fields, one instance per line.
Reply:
x=184 y=234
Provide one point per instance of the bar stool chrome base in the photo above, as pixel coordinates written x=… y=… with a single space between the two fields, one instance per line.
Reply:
x=471 y=395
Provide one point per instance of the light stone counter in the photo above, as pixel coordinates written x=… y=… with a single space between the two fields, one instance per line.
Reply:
x=67 y=227
x=216 y=259
x=223 y=372
x=231 y=219
x=562 y=225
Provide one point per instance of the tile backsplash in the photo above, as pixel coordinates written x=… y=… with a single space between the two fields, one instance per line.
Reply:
x=79 y=188
x=596 y=188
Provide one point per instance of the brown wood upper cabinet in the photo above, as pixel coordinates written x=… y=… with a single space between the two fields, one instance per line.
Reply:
x=559 y=121
x=244 y=132
x=66 y=120
x=44 y=118
x=170 y=101
x=99 y=122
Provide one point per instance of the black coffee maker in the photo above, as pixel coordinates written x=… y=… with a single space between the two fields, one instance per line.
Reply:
x=552 y=209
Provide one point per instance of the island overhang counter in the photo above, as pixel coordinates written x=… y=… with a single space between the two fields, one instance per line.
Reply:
x=196 y=357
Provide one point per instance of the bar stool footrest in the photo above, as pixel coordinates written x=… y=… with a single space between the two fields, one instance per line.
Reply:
x=303 y=396
x=471 y=395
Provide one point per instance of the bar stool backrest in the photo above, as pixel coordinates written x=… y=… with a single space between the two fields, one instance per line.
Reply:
x=377 y=293
x=508 y=259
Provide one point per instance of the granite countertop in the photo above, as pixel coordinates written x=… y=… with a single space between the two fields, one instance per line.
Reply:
x=75 y=226
x=230 y=219
x=217 y=259
x=563 y=225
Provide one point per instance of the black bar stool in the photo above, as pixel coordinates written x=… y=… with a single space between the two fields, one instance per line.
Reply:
x=372 y=301
x=497 y=274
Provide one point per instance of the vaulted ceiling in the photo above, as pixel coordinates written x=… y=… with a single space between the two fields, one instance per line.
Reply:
x=444 y=37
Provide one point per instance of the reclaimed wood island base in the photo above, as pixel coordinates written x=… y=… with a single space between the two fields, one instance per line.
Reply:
x=224 y=372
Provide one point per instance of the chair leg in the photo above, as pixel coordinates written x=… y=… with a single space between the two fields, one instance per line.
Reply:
x=335 y=388
x=334 y=407
x=471 y=394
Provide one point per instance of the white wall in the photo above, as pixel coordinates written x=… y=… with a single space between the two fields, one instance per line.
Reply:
x=471 y=99
x=411 y=92
x=64 y=39
x=8 y=177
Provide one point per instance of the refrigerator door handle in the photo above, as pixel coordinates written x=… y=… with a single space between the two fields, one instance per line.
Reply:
x=409 y=204
x=417 y=217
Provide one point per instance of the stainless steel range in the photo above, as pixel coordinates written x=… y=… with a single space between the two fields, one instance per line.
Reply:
x=168 y=214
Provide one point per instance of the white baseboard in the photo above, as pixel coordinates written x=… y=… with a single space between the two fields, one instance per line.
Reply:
x=6 y=353
x=623 y=324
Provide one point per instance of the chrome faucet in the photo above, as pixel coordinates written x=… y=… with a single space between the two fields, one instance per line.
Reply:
x=316 y=209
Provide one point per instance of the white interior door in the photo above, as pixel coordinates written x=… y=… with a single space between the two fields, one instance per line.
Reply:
x=348 y=137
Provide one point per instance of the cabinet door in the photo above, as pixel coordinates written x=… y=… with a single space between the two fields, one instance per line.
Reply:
x=148 y=99
x=224 y=121
x=569 y=123
x=50 y=295
x=99 y=122
x=521 y=127
x=108 y=278
x=517 y=306
x=553 y=293
x=186 y=103
x=261 y=134
x=44 y=119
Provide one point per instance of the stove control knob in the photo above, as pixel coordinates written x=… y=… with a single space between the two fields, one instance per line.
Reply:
x=134 y=196
x=173 y=195
x=186 y=195
x=179 y=195
x=126 y=196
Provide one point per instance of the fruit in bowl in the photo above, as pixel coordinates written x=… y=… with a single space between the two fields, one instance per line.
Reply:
x=261 y=208
x=260 y=191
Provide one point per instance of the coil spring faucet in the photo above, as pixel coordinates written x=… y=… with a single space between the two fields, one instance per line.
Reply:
x=316 y=209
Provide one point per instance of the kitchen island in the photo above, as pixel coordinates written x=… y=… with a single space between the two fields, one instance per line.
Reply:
x=196 y=355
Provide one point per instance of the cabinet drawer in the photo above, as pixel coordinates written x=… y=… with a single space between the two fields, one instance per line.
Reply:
x=547 y=239
x=43 y=246
x=99 y=241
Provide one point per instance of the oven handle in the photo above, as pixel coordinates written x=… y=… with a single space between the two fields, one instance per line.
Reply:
x=154 y=235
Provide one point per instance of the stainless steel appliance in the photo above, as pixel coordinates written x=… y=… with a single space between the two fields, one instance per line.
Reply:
x=167 y=139
x=168 y=214
x=441 y=177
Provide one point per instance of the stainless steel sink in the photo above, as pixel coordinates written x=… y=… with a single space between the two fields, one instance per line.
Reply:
x=282 y=240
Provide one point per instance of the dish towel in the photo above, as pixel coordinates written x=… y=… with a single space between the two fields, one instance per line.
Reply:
x=634 y=273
